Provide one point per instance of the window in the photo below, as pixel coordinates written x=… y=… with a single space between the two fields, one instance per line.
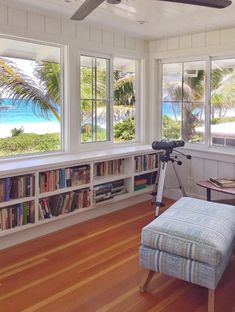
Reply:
x=30 y=98
x=183 y=101
x=184 y=90
x=124 y=88
x=95 y=99
x=222 y=123
x=101 y=121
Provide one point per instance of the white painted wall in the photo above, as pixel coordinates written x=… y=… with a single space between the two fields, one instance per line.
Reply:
x=205 y=163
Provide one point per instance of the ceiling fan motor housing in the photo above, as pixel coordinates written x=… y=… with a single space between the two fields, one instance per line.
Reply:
x=114 y=1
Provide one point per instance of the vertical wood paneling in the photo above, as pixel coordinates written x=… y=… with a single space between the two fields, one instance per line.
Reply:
x=173 y=43
x=36 y=22
x=213 y=37
x=227 y=35
x=3 y=15
x=53 y=26
x=17 y=18
x=185 y=42
x=96 y=35
x=83 y=32
x=130 y=43
x=198 y=40
x=107 y=37
x=69 y=29
x=119 y=40
x=197 y=173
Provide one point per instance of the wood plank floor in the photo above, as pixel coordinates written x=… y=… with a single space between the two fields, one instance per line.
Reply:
x=93 y=266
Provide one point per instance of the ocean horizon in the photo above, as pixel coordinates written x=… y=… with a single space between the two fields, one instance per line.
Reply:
x=21 y=112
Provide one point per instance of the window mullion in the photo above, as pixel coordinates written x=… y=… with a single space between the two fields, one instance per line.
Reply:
x=208 y=101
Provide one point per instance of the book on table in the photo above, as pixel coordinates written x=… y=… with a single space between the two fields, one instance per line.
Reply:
x=222 y=182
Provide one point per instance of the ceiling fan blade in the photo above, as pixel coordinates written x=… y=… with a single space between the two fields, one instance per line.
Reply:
x=219 y=4
x=85 y=9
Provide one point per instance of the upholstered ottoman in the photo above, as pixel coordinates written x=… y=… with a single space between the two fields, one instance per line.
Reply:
x=192 y=240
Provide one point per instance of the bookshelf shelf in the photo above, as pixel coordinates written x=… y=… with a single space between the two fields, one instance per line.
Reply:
x=94 y=179
x=110 y=178
x=64 y=190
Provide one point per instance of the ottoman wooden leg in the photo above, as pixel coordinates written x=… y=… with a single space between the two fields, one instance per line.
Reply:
x=211 y=300
x=148 y=274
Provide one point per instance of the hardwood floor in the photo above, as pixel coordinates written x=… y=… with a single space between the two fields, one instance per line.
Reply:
x=93 y=266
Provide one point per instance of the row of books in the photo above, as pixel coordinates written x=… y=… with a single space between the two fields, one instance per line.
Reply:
x=17 y=215
x=222 y=182
x=110 y=167
x=52 y=180
x=16 y=187
x=107 y=191
x=63 y=203
x=146 y=162
x=143 y=180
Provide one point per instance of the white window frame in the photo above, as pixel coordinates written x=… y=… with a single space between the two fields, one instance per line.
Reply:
x=87 y=146
x=208 y=61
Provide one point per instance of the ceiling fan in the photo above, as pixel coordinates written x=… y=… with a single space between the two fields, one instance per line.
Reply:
x=89 y=5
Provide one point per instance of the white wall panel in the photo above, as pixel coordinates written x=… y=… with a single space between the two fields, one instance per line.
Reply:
x=227 y=35
x=69 y=29
x=53 y=26
x=173 y=43
x=17 y=18
x=198 y=40
x=83 y=32
x=119 y=40
x=161 y=45
x=36 y=22
x=3 y=15
x=130 y=43
x=185 y=42
x=96 y=35
x=108 y=37
x=197 y=174
x=141 y=45
x=213 y=37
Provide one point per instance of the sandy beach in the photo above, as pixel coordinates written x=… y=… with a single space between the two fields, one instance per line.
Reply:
x=38 y=127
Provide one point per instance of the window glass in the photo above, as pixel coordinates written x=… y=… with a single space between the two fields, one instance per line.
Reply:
x=183 y=101
x=193 y=129
x=95 y=102
x=223 y=102
x=124 y=106
x=30 y=98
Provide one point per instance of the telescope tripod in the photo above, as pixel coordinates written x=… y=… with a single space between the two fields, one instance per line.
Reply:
x=160 y=179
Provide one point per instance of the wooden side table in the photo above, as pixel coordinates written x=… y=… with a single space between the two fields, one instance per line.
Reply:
x=211 y=187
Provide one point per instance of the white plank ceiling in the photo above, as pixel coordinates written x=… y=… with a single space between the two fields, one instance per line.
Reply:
x=164 y=19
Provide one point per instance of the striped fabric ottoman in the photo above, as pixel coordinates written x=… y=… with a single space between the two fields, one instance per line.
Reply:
x=193 y=241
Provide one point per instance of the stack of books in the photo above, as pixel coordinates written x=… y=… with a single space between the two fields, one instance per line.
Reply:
x=222 y=182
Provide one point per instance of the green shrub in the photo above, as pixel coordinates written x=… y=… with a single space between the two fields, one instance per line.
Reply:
x=16 y=132
x=171 y=128
x=125 y=130
x=29 y=143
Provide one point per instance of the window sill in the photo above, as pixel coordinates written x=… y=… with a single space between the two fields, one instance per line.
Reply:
x=19 y=166
x=212 y=153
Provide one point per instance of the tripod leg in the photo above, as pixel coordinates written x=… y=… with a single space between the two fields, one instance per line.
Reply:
x=179 y=181
x=160 y=187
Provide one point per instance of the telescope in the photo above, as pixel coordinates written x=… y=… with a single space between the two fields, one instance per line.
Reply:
x=168 y=147
x=167 y=144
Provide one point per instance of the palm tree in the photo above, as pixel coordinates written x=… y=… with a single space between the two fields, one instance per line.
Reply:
x=44 y=94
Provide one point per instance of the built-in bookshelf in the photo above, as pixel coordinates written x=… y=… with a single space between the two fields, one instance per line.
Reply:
x=145 y=171
x=42 y=191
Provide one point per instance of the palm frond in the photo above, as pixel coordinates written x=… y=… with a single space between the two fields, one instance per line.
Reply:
x=23 y=89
